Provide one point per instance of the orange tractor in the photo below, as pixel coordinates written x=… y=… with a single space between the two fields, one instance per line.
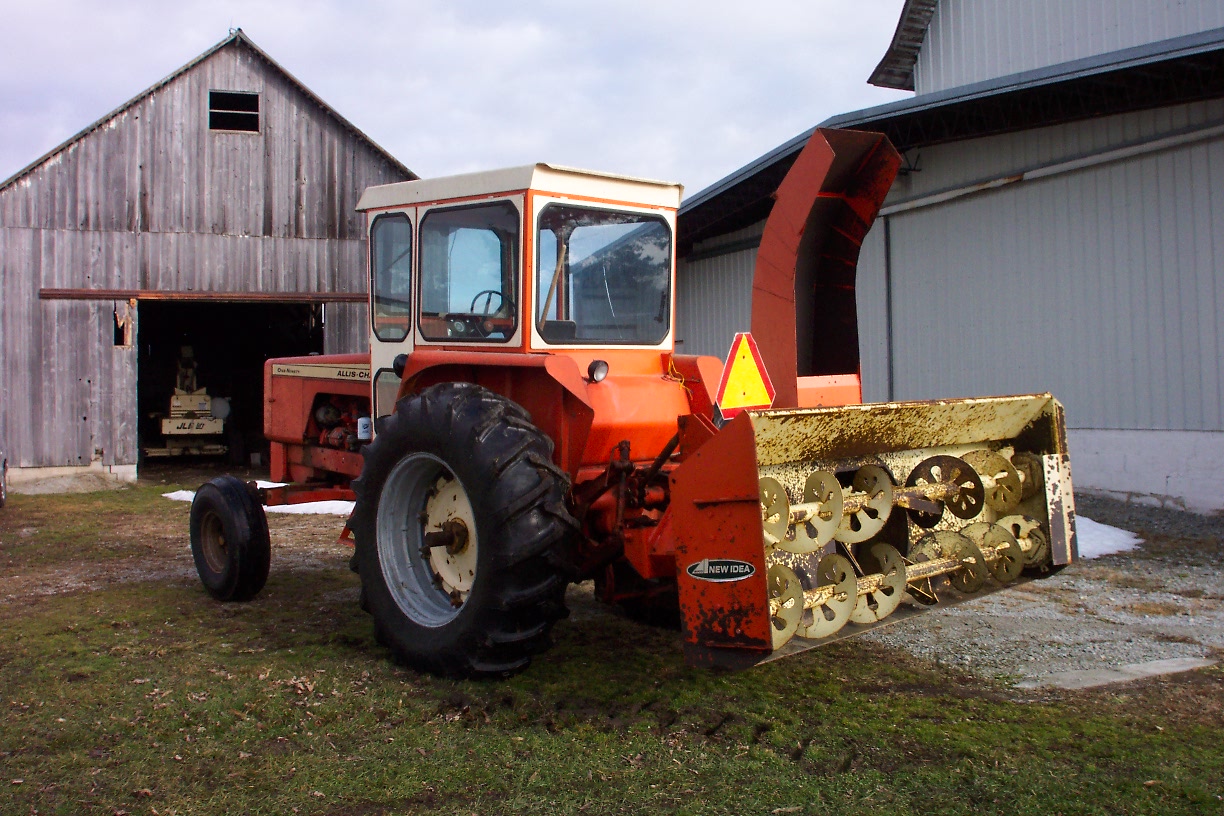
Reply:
x=533 y=426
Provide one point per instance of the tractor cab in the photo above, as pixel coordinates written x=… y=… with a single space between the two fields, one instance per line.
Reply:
x=531 y=261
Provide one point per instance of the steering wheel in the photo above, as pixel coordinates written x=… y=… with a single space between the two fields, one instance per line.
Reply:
x=488 y=296
x=465 y=325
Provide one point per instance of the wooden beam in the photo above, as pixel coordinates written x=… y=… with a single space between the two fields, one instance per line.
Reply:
x=210 y=297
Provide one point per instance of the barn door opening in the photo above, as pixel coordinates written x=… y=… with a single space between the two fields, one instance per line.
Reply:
x=200 y=379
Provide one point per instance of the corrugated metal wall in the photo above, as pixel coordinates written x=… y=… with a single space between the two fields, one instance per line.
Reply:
x=153 y=200
x=1103 y=285
x=714 y=293
x=974 y=40
x=871 y=295
x=969 y=162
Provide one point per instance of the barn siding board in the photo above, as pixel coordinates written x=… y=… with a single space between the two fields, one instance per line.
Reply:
x=117 y=423
x=150 y=199
x=974 y=40
x=348 y=328
x=183 y=262
x=17 y=248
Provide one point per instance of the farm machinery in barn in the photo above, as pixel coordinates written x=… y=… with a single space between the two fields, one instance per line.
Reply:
x=533 y=426
x=196 y=423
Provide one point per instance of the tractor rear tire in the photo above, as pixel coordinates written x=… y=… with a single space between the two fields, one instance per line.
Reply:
x=229 y=539
x=458 y=460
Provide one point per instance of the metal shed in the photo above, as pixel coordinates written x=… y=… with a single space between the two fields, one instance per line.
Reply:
x=1054 y=229
x=218 y=201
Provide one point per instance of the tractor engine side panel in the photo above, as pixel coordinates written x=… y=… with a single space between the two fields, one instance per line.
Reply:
x=303 y=449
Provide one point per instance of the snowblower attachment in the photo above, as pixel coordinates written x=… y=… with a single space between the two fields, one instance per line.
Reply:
x=796 y=527
x=799 y=525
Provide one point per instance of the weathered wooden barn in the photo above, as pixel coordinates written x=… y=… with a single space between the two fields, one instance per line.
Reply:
x=214 y=211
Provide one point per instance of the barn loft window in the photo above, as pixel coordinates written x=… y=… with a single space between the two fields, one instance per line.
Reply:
x=233 y=110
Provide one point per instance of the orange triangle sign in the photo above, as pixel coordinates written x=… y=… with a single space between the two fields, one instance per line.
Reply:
x=745 y=384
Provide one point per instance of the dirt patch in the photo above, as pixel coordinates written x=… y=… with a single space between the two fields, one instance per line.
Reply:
x=142 y=546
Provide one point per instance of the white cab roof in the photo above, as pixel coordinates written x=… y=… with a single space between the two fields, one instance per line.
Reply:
x=546 y=178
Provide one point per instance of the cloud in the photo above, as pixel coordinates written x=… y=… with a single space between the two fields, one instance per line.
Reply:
x=681 y=91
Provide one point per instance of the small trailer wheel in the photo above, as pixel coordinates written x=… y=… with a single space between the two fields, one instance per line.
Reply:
x=229 y=539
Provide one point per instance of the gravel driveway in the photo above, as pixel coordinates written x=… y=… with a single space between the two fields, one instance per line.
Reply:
x=1161 y=602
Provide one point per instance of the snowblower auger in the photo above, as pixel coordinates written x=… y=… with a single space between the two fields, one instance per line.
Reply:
x=797 y=527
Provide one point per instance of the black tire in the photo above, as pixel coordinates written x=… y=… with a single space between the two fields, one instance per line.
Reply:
x=3 y=481
x=487 y=607
x=229 y=539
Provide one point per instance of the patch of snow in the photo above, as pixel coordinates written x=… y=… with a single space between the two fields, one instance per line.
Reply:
x=330 y=508
x=262 y=483
x=323 y=508
x=1096 y=539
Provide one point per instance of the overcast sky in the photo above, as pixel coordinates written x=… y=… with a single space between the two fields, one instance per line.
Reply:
x=681 y=91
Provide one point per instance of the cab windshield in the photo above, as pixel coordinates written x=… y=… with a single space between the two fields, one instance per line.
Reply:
x=602 y=276
x=469 y=272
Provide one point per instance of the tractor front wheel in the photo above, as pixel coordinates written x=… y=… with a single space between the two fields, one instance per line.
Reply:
x=229 y=539
x=462 y=533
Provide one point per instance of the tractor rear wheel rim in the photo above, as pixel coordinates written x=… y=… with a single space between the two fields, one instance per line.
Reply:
x=429 y=584
x=212 y=542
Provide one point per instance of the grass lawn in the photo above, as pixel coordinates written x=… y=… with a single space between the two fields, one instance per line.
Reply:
x=125 y=689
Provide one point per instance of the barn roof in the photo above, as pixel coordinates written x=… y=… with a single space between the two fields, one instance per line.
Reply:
x=237 y=36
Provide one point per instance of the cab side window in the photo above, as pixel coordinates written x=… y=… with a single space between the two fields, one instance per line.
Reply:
x=391 y=276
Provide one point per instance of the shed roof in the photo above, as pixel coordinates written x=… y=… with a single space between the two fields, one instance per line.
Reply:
x=1175 y=71
x=237 y=36
x=896 y=69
